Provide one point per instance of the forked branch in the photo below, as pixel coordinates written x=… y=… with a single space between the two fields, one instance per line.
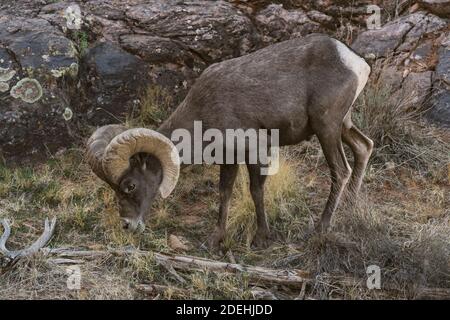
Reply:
x=35 y=247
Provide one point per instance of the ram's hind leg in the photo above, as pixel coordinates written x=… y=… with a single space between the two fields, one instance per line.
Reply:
x=261 y=239
x=339 y=168
x=228 y=174
x=361 y=147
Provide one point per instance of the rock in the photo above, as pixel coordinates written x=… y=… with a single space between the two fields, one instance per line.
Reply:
x=177 y=243
x=173 y=65
x=215 y=30
x=158 y=50
x=6 y=74
x=440 y=112
x=417 y=65
x=4 y=87
x=402 y=34
x=278 y=24
x=45 y=65
x=26 y=7
x=423 y=24
x=438 y=7
x=443 y=66
x=102 y=29
x=416 y=89
x=28 y=90
x=112 y=79
x=381 y=42
x=391 y=77
x=42 y=54
x=322 y=19
x=422 y=51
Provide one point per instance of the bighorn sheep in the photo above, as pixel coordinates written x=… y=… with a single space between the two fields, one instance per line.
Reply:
x=301 y=87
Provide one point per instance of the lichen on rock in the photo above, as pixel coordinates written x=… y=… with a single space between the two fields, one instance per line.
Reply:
x=27 y=89
x=72 y=71
x=67 y=114
x=4 y=87
x=6 y=74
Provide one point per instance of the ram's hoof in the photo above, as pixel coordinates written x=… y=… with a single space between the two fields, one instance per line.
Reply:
x=261 y=241
x=323 y=226
x=215 y=240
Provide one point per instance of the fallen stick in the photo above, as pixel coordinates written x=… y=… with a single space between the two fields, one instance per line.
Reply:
x=155 y=289
x=261 y=294
x=291 y=278
x=433 y=294
x=65 y=261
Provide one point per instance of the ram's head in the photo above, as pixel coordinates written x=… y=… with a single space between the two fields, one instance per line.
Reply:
x=137 y=164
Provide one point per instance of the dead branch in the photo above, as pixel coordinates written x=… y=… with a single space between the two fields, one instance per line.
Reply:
x=433 y=294
x=35 y=247
x=289 y=278
x=154 y=289
x=259 y=276
x=267 y=276
x=261 y=294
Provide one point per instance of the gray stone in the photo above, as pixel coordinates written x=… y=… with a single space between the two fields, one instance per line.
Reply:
x=440 y=113
x=214 y=29
x=278 y=24
x=112 y=78
x=382 y=42
x=443 y=66
x=416 y=89
x=423 y=24
x=438 y=7
x=391 y=77
x=31 y=122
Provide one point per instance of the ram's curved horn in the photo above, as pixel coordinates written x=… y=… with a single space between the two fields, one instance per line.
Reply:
x=97 y=144
x=128 y=143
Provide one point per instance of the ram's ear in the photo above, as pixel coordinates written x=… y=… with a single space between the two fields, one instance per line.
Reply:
x=137 y=160
x=143 y=161
x=152 y=163
x=147 y=162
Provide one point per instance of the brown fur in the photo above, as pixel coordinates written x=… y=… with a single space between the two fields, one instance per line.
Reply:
x=298 y=86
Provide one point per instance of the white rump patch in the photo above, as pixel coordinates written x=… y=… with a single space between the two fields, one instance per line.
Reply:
x=354 y=63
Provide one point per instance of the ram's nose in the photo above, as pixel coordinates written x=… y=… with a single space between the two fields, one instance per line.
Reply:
x=133 y=225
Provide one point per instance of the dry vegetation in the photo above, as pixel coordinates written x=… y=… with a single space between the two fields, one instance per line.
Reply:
x=400 y=224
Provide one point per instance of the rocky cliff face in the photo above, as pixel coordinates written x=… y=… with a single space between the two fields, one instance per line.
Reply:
x=65 y=66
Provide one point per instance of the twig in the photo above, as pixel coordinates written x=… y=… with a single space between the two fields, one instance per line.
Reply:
x=260 y=276
x=155 y=289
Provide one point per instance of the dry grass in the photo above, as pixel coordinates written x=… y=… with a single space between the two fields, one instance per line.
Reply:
x=155 y=106
x=284 y=203
x=401 y=223
x=399 y=132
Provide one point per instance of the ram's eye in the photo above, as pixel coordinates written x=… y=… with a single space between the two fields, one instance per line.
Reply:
x=130 y=188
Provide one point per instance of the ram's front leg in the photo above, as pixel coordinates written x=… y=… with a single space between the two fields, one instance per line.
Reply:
x=228 y=174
